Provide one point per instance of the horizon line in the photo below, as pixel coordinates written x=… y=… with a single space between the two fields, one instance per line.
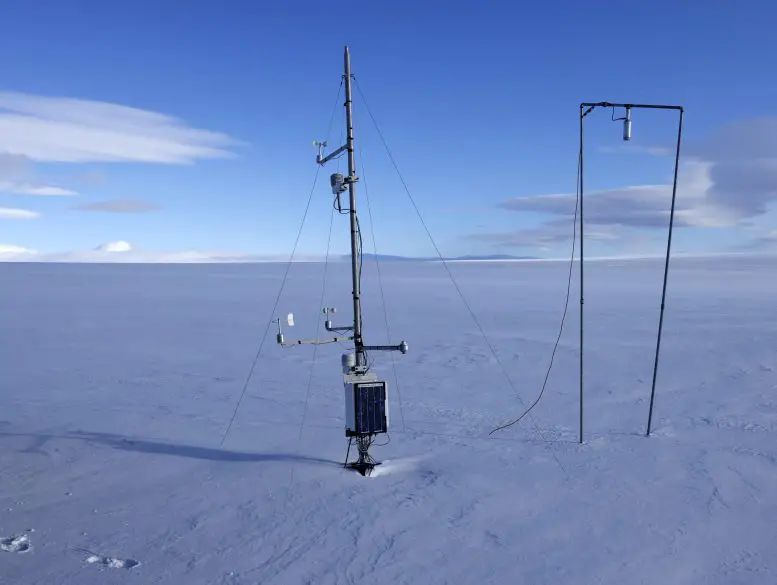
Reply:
x=385 y=258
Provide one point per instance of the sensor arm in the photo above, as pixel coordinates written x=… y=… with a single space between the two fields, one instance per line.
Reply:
x=283 y=343
x=401 y=347
x=328 y=325
x=591 y=105
x=330 y=156
x=313 y=341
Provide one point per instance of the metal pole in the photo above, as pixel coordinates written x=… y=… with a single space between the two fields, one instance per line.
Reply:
x=581 y=274
x=666 y=271
x=593 y=105
x=357 y=314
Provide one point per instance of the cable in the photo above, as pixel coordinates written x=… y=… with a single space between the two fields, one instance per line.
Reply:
x=315 y=351
x=336 y=203
x=388 y=440
x=360 y=255
x=380 y=285
x=447 y=269
x=272 y=313
x=563 y=317
x=428 y=233
x=283 y=282
x=315 y=346
x=318 y=326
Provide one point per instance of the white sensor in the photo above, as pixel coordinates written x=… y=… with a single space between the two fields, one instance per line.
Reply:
x=627 y=125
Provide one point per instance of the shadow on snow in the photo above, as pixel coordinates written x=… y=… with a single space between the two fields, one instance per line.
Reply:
x=124 y=443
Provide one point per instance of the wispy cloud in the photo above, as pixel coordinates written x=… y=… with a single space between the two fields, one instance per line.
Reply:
x=13 y=166
x=39 y=190
x=120 y=251
x=641 y=205
x=553 y=233
x=9 y=250
x=725 y=180
x=59 y=129
x=12 y=213
x=548 y=235
x=762 y=242
x=119 y=206
x=743 y=165
x=637 y=149
x=117 y=246
x=90 y=178
x=16 y=177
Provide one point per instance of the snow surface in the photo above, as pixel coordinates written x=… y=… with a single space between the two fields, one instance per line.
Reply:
x=118 y=382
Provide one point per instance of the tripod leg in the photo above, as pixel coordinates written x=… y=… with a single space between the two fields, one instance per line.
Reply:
x=348 y=452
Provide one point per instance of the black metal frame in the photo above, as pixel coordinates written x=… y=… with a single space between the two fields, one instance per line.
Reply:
x=585 y=109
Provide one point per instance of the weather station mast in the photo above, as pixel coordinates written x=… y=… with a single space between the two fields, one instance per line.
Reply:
x=366 y=397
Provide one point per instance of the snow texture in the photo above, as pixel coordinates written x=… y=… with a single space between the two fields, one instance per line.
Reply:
x=118 y=382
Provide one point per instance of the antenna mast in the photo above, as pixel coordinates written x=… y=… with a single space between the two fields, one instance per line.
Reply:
x=366 y=399
x=351 y=181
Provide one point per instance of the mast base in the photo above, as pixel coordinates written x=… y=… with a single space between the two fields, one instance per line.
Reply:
x=365 y=464
x=364 y=468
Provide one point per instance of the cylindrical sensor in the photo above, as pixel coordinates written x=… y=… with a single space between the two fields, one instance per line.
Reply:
x=348 y=361
x=627 y=125
x=336 y=180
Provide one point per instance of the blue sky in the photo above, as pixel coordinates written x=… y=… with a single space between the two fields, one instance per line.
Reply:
x=478 y=102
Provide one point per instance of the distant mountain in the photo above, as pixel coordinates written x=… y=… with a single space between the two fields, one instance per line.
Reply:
x=494 y=257
x=391 y=258
x=384 y=257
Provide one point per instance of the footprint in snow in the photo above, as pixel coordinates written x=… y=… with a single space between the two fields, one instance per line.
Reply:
x=17 y=544
x=110 y=562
